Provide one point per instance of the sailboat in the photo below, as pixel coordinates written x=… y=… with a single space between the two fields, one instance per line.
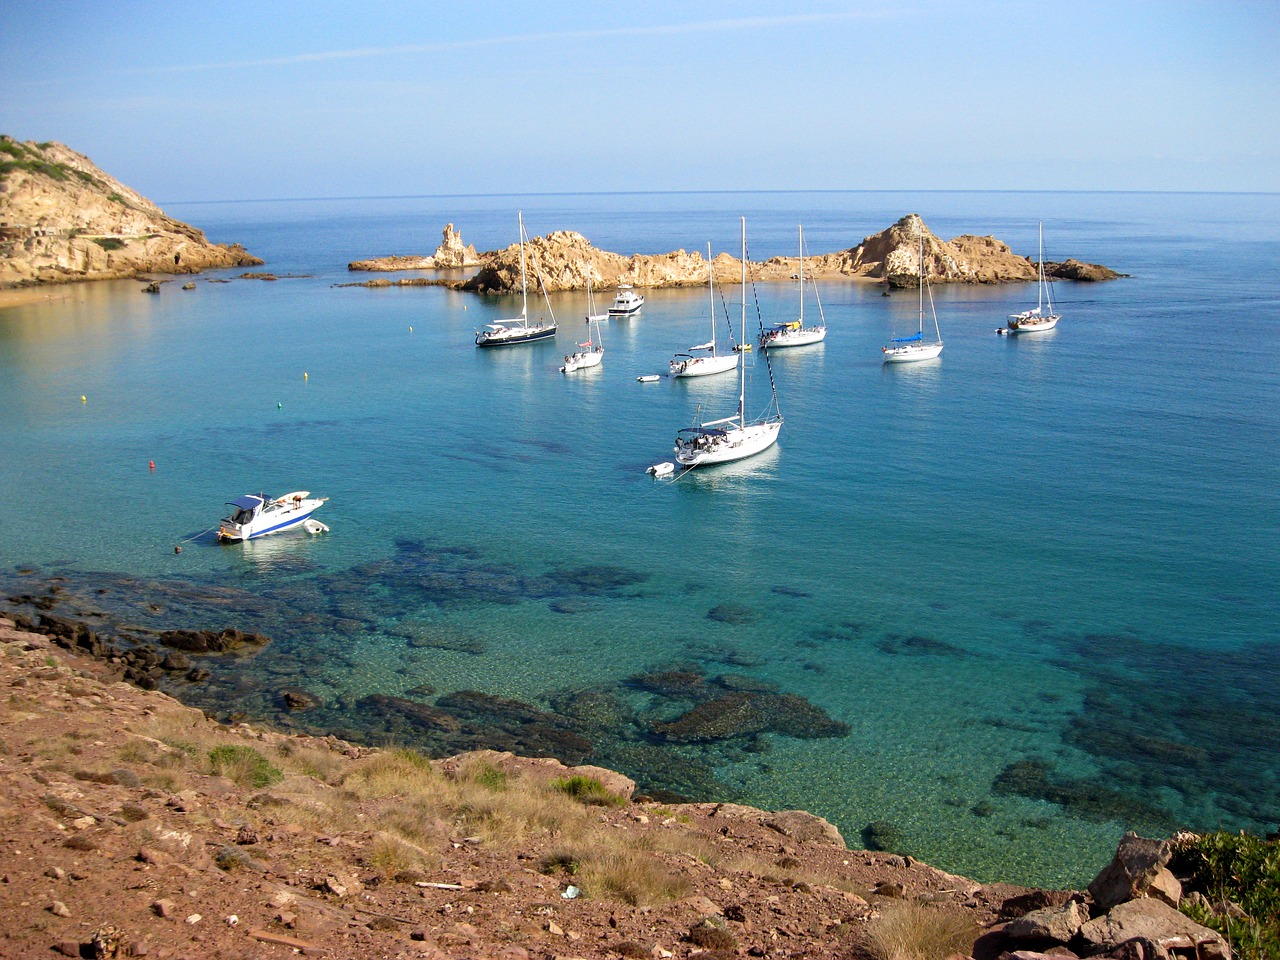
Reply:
x=518 y=329
x=915 y=347
x=706 y=361
x=794 y=333
x=1036 y=320
x=589 y=354
x=734 y=437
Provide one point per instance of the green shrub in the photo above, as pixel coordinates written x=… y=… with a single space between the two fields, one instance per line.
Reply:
x=1243 y=869
x=109 y=243
x=492 y=778
x=588 y=790
x=245 y=765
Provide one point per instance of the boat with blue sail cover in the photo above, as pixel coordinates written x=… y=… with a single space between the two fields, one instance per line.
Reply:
x=914 y=347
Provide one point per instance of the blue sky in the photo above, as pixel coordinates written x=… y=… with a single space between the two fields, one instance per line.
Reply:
x=273 y=99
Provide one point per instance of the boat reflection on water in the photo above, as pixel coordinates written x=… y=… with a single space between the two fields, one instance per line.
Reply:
x=291 y=552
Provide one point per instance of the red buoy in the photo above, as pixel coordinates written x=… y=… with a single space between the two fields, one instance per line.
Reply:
x=151 y=464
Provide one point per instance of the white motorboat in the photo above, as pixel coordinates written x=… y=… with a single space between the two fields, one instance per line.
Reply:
x=626 y=302
x=915 y=347
x=518 y=329
x=256 y=515
x=794 y=333
x=702 y=359
x=588 y=354
x=1037 y=320
x=734 y=437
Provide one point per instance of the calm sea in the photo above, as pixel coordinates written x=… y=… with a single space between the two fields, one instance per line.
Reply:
x=991 y=611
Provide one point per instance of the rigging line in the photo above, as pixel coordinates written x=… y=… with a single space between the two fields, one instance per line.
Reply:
x=727 y=322
x=773 y=387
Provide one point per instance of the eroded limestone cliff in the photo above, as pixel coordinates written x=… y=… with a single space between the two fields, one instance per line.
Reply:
x=62 y=218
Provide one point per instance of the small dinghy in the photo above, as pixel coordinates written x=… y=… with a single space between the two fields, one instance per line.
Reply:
x=660 y=470
x=312 y=525
x=649 y=378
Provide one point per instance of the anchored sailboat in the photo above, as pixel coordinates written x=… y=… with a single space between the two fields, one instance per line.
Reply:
x=794 y=333
x=702 y=359
x=915 y=347
x=588 y=354
x=733 y=437
x=1036 y=320
x=518 y=329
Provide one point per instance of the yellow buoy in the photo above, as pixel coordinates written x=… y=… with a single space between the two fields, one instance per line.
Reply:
x=83 y=398
x=304 y=375
x=411 y=329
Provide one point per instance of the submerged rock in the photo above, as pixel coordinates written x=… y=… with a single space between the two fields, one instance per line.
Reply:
x=742 y=714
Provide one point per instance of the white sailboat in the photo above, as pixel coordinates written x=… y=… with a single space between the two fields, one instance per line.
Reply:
x=794 y=333
x=518 y=329
x=734 y=437
x=1037 y=320
x=915 y=347
x=702 y=359
x=588 y=354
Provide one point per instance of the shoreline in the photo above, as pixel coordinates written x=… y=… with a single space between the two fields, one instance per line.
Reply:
x=41 y=293
x=260 y=837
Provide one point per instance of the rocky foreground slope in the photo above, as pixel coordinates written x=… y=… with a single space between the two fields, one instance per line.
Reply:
x=134 y=826
x=565 y=260
x=62 y=218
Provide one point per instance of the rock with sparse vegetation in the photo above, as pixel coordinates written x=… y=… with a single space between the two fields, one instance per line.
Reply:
x=62 y=218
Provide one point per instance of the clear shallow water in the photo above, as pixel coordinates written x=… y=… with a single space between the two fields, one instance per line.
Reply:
x=1037 y=579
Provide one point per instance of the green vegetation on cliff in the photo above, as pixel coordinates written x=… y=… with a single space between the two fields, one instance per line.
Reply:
x=1239 y=869
x=17 y=156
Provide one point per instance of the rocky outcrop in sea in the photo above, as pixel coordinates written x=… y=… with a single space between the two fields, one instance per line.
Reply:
x=566 y=260
x=62 y=218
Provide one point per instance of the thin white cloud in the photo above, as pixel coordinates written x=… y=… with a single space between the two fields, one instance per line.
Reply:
x=708 y=26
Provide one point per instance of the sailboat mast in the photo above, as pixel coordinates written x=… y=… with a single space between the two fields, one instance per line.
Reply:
x=801 y=275
x=1040 y=283
x=524 y=287
x=711 y=299
x=922 y=277
x=742 y=342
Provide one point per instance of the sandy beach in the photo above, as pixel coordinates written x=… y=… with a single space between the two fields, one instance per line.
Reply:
x=22 y=296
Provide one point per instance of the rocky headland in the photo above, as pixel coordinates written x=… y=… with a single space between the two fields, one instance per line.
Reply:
x=135 y=826
x=63 y=219
x=452 y=254
x=565 y=260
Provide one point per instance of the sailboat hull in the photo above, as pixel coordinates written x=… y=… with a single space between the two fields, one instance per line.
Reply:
x=912 y=352
x=1037 y=325
x=798 y=338
x=736 y=443
x=581 y=361
x=703 y=366
x=512 y=336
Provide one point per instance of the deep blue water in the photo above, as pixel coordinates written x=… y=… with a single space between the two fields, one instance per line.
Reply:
x=1025 y=597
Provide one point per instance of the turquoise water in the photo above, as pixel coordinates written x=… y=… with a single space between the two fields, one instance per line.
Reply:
x=1029 y=590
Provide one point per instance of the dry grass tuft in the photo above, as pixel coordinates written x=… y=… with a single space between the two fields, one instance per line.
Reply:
x=390 y=854
x=915 y=931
